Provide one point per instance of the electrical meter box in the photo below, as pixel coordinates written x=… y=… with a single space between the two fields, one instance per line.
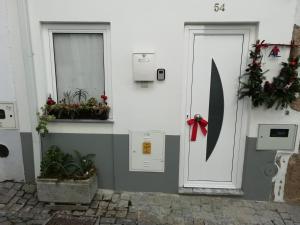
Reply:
x=144 y=66
x=7 y=115
x=276 y=137
x=147 y=151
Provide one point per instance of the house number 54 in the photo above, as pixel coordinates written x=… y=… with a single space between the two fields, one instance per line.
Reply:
x=219 y=7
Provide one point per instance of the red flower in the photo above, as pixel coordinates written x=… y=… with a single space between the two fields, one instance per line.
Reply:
x=104 y=97
x=293 y=63
x=50 y=101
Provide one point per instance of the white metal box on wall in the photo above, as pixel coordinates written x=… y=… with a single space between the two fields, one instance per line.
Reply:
x=8 y=115
x=147 y=151
x=276 y=137
x=143 y=66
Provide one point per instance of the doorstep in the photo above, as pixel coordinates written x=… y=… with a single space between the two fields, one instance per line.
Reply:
x=210 y=191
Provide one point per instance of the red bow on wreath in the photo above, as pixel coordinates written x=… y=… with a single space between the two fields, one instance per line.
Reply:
x=202 y=123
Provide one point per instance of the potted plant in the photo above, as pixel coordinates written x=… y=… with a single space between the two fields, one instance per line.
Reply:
x=65 y=178
x=73 y=106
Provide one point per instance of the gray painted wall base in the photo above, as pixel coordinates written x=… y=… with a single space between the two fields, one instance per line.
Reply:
x=257 y=185
x=99 y=144
x=145 y=181
x=112 y=161
x=28 y=161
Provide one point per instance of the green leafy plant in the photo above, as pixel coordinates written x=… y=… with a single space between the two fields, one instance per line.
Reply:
x=80 y=93
x=280 y=92
x=43 y=120
x=85 y=164
x=59 y=165
x=92 y=101
x=285 y=87
x=67 y=109
x=68 y=97
x=252 y=87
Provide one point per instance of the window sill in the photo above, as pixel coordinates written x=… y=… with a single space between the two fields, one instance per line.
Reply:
x=82 y=121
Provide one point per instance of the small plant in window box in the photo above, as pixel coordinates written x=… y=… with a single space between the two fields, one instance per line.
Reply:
x=65 y=178
x=73 y=106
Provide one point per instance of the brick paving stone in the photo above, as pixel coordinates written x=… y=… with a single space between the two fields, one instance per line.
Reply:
x=112 y=206
x=288 y=222
x=16 y=207
x=32 y=202
x=18 y=186
x=123 y=204
x=90 y=212
x=125 y=196
x=126 y=221
x=78 y=213
x=103 y=204
x=20 y=193
x=121 y=214
x=7 y=184
x=110 y=213
x=27 y=196
x=115 y=197
x=22 y=207
x=27 y=208
x=6 y=223
x=100 y=212
x=22 y=201
x=107 y=220
x=94 y=204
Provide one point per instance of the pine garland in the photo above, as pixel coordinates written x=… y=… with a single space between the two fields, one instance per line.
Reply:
x=255 y=77
x=280 y=92
x=285 y=87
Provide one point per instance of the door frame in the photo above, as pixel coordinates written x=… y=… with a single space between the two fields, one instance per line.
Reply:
x=249 y=32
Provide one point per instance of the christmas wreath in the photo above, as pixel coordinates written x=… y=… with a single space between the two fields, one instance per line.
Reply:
x=281 y=91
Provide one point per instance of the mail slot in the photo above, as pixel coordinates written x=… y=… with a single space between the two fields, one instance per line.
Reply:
x=279 y=133
x=2 y=114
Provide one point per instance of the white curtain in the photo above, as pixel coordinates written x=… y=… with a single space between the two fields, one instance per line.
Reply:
x=79 y=63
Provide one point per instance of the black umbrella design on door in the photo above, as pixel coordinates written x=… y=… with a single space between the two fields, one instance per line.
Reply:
x=216 y=110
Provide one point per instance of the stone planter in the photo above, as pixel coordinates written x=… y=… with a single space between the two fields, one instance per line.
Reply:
x=66 y=191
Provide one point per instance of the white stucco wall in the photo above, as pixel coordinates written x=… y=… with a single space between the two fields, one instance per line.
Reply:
x=6 y=79
x=136 y=25
x=11 y=86
x=297 y=14
x=159 y=26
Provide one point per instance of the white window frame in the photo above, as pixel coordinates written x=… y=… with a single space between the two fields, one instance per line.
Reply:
x=94 y=28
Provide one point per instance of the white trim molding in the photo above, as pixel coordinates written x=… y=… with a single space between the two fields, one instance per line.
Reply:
x=57 y=27
x=249 y=33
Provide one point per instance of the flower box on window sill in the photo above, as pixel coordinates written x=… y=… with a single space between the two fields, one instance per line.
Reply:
x=82 y=121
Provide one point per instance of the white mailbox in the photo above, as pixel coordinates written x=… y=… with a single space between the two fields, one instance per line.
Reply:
x=147 y=151
x=276 y=137
x=144 y=66
x=7 y=115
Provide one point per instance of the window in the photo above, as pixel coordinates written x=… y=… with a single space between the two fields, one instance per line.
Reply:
x=77 y=56
x=79 y=63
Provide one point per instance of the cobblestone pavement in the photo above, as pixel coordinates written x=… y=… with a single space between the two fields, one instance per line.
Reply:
x=19 y=205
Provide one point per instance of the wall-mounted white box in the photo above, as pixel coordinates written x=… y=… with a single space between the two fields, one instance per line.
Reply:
x=276 y=137
x=7 y=115
x=144 y=66
x=147 y=151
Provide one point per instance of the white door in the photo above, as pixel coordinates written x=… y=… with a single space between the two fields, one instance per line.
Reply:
x=216 y=58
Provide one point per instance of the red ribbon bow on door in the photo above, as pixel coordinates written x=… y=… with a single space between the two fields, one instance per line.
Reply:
x=202 y=123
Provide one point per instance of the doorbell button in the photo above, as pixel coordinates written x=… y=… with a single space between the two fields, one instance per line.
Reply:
x=161 y=74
